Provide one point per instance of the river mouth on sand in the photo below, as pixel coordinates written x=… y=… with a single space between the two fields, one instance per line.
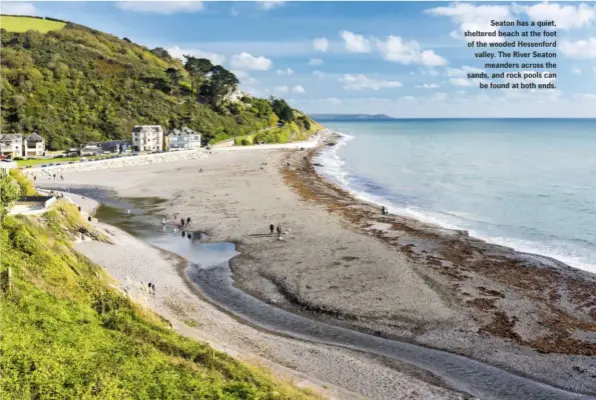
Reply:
x=208 y=269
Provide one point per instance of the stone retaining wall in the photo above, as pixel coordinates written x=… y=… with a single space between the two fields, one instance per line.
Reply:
x=120 y=162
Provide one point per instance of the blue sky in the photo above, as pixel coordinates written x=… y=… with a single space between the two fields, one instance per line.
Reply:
x=405 y=59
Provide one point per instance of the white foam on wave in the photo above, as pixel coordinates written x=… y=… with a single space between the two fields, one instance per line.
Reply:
x=332 y=162
x=333 y=168
x=559 y=251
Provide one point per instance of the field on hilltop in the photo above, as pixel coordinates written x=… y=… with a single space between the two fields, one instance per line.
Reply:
x=23 y=24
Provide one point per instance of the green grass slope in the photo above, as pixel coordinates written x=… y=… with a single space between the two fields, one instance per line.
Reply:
x=67 y=334
x=24 y=24
x=78 y=85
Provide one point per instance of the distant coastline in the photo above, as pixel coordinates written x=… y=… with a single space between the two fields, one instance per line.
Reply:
x=384 y=117
x=351 y=117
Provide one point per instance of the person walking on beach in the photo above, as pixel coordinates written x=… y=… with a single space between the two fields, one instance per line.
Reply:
x=182 y=221
x=272 y=228
x=187 y=221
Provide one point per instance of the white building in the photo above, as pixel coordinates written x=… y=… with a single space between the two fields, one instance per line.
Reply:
x=35 y=145
x=147 y=138
x=90 y=149
x=11 y=144
x=184 y=138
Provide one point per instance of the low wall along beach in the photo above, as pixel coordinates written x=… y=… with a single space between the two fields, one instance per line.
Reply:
x=120 y=162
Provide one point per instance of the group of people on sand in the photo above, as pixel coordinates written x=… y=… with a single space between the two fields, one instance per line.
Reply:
x=179 y=225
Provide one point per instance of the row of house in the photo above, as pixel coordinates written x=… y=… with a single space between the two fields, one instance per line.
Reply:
x=152 y=138
x=13 y=145
x=144 y=138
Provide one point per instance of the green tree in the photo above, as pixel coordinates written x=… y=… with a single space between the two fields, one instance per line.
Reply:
x=160 y=52
x=222 y=83
x=283 y=111
x=174 y=75
x=9 y=193
x=198 y=68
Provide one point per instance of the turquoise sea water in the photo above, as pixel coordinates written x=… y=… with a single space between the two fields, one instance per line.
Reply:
x=526 y=184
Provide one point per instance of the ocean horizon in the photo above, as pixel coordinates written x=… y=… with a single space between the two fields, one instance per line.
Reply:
x=525 y=183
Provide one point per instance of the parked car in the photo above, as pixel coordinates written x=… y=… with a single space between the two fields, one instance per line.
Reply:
x=72 y=162
x=83 y=159
x=136 y=153
x=44 y=165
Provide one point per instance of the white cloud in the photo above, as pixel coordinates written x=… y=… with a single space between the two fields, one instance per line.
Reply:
x=431 y=72
x=463 y=71
x=355 y=43
x=286 y=89
x=409 y=98
x=360 y=81
x=589 y=96
x=18 y=8
x=565 y=16
x=427 y=86
x=460 y=81
x=581 y=49
x=287 y=71
x=244 y=77
x=179 y=53
x=473 y=18
x=332 y=100
x=281 y=89
x=439 y=96
x=246 y=61
x=319 y=74
x=161 y=7
x=576 y=71
x=396 y=50
x=269 y=5
x=315 y=61
x=321 y=44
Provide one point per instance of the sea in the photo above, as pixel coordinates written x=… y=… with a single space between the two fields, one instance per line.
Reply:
x=529 y=184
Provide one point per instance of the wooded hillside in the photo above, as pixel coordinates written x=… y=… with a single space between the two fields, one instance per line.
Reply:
x=76 y=85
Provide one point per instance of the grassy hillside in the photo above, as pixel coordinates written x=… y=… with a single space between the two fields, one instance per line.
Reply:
x=23 y=24
x=67 y=334
x=77 y=85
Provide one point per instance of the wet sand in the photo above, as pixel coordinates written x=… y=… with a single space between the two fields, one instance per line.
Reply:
x=341 y=261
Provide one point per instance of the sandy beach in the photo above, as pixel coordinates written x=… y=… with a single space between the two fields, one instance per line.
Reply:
x=344 y=263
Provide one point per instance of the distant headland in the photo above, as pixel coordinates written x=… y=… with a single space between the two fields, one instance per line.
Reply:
x=343 y=117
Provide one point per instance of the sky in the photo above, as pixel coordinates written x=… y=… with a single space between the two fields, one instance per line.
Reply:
x=404 y=59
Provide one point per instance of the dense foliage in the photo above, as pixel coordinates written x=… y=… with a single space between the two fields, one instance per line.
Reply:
x=77 y=85
x=67 y=334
